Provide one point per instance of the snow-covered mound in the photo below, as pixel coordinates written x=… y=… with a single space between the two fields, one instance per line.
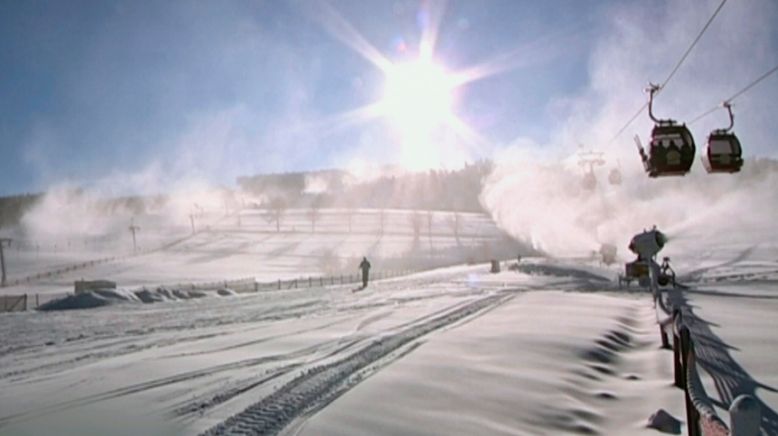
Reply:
x=84 y=300
x=91 y=299
x=105 y=297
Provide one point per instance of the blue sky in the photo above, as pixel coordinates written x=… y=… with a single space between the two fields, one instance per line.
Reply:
x=95 y=90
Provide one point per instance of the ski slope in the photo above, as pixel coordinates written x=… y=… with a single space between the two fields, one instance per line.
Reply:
x=457 y=350
x=251 y=245
x=218 y=364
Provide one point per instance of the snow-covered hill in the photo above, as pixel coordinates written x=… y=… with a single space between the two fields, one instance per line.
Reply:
x=254 y=245
x=556 y=349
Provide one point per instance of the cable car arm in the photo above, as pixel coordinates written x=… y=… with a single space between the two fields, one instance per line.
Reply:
x=728 y=105
x=653 y=89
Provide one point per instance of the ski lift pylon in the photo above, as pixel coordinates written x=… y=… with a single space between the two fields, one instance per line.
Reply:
x=587 y=160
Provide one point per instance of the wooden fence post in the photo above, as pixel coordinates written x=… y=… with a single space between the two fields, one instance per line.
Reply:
x=310 y=281
x=745 y=416
x=279 y=284
x=256 y=286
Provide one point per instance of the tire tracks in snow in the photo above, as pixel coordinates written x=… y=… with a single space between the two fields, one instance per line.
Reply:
x=208 y=401
x=340 y=346
x=319 y=385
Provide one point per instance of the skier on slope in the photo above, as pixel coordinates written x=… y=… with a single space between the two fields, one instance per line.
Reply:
x=365 y=267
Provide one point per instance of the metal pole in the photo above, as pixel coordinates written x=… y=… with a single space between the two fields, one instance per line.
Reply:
x=677 y=362
x=3 y=278
x=745 y=416
x=687 y=348
x=133 y=229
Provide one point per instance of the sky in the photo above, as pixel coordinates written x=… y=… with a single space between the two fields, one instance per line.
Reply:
x=144 y=94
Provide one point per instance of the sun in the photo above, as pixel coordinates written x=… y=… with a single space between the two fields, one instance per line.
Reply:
x=418 y=101
x=418 y=96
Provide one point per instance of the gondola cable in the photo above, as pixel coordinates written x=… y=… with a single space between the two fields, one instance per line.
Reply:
x=672 y=73
x=736 y=95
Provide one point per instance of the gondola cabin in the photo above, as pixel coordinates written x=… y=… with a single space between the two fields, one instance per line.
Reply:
x=671 y=152
x=723 y=154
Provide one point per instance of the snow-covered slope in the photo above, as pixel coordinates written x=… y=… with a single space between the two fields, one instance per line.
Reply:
x=554 y=348
x=252 y=245
x=505 y=351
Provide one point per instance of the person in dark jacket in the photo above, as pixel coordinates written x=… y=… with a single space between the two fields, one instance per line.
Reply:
x=365 y=267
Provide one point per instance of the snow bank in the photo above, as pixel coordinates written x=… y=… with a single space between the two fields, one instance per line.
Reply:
x=105 y=297
x=92 y=299
x=85 y=300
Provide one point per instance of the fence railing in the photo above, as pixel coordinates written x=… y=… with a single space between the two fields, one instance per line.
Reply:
x=701 y=416
x=13 y=303
x=23 y=302
x=62 y=270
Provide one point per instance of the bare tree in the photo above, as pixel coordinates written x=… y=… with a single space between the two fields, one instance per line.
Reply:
x=314 y=213
x=416 y=222
x=456 y=223
x=350 y=212
x=278 y=208
x=429 y=228
x=381 y=220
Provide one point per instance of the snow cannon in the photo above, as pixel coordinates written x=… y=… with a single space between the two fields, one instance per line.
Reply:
x=648 y=244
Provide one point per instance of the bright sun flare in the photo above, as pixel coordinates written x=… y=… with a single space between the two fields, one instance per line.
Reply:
x=418 y=100
x=417 y=96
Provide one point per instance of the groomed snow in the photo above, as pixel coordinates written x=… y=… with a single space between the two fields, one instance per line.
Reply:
x=443 y=352
x=554 y=347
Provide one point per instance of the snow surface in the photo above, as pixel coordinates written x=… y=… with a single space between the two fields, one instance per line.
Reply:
x=229 y=249
x=553 y=348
